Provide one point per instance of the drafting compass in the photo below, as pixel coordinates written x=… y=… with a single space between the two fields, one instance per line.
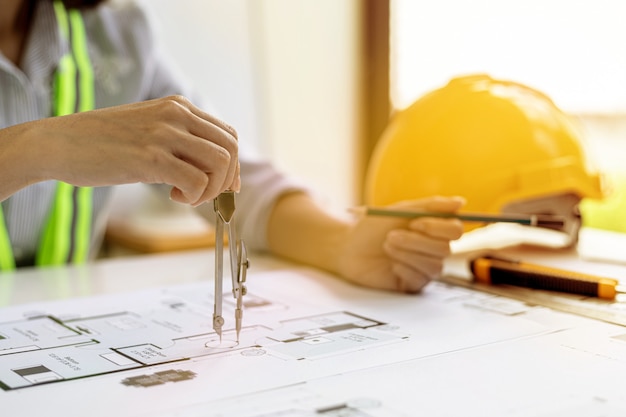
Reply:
x=224 y=207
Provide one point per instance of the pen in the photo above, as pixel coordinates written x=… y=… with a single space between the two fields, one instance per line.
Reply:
x=539 y=220
x=494 y=270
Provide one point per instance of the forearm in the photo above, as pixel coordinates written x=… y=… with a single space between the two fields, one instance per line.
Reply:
x=300 y=230
x=20 y=160
x=154 y=141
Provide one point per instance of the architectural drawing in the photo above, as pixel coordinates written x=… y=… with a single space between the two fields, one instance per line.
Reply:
x=311 y=345
x=45 y=349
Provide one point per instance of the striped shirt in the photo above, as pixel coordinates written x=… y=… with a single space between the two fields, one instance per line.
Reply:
x=128 y=67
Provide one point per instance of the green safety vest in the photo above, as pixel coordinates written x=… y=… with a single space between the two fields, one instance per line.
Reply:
x=67 y=234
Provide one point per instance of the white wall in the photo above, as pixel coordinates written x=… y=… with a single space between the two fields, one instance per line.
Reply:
x=283 y=73
x=210 y=42
x=310 y=61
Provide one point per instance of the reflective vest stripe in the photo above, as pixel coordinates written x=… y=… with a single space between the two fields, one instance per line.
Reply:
x=67 y=234
x=82 y=235
x=55 y=244
x=86 y=101
x=85 y=90
x=65 y=76
x=64 y=88
x=7 y=262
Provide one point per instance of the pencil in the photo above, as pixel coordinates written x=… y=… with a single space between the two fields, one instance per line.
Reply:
x=538 y=220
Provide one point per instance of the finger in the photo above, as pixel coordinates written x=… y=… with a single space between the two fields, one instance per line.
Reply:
x=186 y=188
x=188 y=181
x=447 y=229
x=212 y=190
x=412 y=242
x=408 y=280
x=236 y=186
x=435 y=203
x=207 y=128
x=210 y=158
x=191 y=184
x=177 y=195
x=421 y=263
x=447 y=204
x=206 y=116
x=229 y=142
x=221 y=142
x=226 y=142
x=215 y=168
x=424 y=265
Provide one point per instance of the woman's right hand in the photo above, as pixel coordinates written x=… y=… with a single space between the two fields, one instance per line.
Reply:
x=167 y=140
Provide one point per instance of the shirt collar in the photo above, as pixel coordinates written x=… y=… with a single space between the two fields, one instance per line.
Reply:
x=44 y=45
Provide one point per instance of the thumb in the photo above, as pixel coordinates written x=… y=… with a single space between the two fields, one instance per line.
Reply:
x=434 y=203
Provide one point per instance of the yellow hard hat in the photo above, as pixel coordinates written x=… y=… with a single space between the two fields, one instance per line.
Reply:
x=490 y=141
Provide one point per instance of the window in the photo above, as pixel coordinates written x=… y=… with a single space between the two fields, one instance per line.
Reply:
x=572 y=50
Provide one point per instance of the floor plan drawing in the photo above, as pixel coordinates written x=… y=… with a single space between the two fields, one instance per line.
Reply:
x=135 y=338
x=45 y=349
x=304 y=349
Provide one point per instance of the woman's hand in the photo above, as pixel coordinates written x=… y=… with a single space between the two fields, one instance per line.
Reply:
x=378 y=252
x=399 y=254
x=166 y=140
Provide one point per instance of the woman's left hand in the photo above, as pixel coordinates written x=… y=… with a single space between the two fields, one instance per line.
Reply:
x=399 y=254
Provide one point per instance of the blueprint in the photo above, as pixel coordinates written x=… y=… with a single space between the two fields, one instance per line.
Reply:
x=44 y=348
x=311 y=345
